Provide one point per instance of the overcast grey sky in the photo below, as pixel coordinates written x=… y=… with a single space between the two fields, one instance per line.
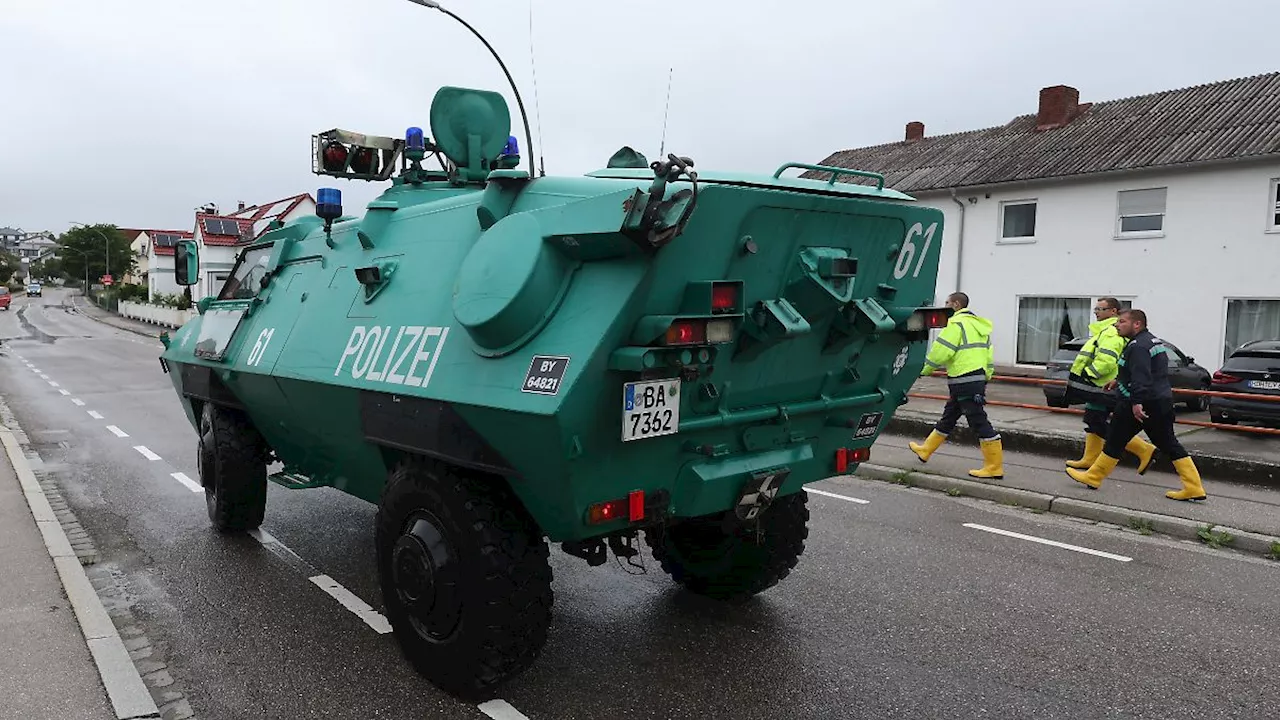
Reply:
x=136 y=111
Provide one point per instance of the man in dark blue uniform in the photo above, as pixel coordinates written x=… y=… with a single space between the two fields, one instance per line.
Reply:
x=1145 y=402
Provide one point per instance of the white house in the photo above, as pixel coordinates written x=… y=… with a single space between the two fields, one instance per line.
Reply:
x=1169 y=202
x=154 y=251
x=219 y=238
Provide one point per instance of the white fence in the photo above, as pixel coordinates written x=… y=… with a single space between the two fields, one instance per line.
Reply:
x=156 y=315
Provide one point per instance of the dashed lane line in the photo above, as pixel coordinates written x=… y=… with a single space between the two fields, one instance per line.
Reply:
x=64 y=391
x=146 y=453
x=53 y=384
x=348 y=600
x=501 y=710
x=118 y=432
x=192 y=485
x=95 y=414
x=860 y=501
x=1054 y=543
x=78 y=401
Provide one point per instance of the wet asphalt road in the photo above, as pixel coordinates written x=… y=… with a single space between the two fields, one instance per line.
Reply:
x=897 y=609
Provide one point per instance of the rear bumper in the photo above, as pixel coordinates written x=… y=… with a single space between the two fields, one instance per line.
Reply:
x=1233 y=409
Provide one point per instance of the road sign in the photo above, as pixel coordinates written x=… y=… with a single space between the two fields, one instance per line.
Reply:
x=106 y=279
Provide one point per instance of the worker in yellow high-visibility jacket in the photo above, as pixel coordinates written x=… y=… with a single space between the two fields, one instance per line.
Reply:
x=1095 y=366
x=964 y=349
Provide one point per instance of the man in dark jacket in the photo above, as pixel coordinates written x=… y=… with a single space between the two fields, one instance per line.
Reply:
x=1145 y=402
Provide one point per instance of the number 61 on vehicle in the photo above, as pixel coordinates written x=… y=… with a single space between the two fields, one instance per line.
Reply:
x=650 y=409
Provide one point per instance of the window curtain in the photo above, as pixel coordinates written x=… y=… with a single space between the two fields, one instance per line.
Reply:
x=1045 y=324
x=1250 y=320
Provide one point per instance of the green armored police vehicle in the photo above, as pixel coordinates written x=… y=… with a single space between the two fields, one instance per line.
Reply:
x=499 y=359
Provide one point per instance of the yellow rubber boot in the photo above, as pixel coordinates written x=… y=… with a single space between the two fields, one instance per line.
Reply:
x=1190 y=477
x=1092 y=447
x=1097 y=472
x=931 y=443
x=993 y=460
x=1144 y=450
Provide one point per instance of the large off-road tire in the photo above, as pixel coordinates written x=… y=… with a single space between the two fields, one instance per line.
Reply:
x=464 y=574
x=233 y=469
x=734 y=566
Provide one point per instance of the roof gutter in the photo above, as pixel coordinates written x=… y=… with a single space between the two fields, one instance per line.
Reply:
x=960 y=244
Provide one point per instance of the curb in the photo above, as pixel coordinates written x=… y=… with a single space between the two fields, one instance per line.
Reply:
x=1222 y=468
x=129 y=696
x=109 y=324
x=1171 y=525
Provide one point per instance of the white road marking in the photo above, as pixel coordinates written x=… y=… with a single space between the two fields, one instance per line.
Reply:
x=146 y=453
x=192 y=485
x=117 y=431
x=53 y=384
x=842 y=497
x=64 y=391
x=348 y=600
x=501 y=710
x=1054 y=543
x=95 y=414
x=78 y=401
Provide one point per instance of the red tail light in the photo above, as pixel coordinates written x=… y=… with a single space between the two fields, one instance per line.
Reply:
x=687 y=332
x=1221 y=378
x=929 y=318
x=848 y=456
x=724 y=297
x=699 y=332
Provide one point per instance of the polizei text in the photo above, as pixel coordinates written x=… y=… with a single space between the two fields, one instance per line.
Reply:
x=404 y=355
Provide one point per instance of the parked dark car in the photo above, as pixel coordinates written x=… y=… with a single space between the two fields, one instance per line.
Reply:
x=1184 y=374
x=1253 y=369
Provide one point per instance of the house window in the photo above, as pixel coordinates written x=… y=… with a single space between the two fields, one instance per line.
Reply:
x=1046 y=323
x=1141 y=212
x=1273 y=206
x=1018 y=220
x=1250 y=320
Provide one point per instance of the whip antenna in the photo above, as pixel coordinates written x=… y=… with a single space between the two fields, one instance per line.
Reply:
x=663 y=146
x=537 y=108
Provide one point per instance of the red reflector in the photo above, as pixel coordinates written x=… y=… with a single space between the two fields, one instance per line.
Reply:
x=724 y=297
x=860 y=455
x=637 y=505
x=842 y=460
x=606 y=511
x=687 y=332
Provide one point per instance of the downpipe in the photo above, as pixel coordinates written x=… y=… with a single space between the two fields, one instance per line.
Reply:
x=960 y=240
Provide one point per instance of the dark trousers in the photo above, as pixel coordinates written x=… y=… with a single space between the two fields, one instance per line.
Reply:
x=1096 y=420
x=967 y=398
x=1159 y=427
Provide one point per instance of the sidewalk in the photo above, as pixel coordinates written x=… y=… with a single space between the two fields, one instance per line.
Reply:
x=85 y=307
x=63 y=657
x=1219 y=454
x=1250 y=513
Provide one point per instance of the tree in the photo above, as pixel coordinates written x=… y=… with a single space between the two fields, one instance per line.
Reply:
x=9 y=264
x=90 y=243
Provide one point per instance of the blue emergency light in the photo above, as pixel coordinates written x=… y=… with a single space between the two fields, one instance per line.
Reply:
x=413 y=139
x=512 y=148
x=329 y=203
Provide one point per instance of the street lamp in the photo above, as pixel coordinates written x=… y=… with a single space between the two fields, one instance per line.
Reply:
x=85 y=290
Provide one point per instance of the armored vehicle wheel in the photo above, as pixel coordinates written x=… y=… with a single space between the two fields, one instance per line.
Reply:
x=232 y=468
x=733 y=562
x=464 y=576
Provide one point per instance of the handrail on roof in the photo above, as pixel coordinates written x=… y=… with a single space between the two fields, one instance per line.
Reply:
x=835 y=172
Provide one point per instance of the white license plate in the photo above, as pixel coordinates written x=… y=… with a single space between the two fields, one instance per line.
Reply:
x=1265 y=384
x=650 y=409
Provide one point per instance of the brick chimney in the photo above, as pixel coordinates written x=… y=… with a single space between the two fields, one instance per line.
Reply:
x=1059 y=105
x=915 y=131
x=241 y=204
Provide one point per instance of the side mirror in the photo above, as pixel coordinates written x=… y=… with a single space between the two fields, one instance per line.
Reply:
x=186 y=262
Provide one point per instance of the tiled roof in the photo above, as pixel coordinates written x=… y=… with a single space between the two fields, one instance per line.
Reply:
x=1223 y=120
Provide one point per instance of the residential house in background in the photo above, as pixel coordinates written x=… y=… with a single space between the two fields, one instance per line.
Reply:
x=220 y=237
x=159 y=262
x=1169 y=202
x=10 y=237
